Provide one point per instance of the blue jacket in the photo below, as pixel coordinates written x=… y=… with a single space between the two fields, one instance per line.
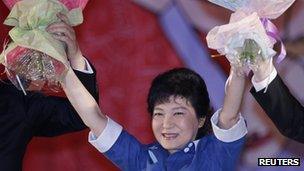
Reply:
x=207 y=153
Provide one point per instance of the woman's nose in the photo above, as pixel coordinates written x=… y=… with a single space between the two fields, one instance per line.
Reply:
x=168 y=122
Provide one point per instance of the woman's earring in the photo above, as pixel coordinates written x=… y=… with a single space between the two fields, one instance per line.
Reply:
x=201 y=122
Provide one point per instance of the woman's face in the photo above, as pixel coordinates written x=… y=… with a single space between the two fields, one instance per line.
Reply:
x=174 y=123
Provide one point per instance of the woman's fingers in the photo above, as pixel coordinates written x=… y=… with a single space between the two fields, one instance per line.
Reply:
x=63 y=18
x=61 y=28
x=63 y=32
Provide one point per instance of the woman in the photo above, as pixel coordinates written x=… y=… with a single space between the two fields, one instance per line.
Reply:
x=178 y=102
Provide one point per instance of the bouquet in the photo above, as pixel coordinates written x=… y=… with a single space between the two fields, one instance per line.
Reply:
x=249 y=36
x=33 y=57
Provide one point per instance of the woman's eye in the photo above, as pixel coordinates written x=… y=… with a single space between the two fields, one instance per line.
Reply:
x=158 y=114
x=178 y=113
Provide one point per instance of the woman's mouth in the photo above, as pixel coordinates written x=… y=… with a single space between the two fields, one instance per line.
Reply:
x=169 y=136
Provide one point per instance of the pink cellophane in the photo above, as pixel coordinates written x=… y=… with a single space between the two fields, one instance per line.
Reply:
x=29 y=69
x=70 y=4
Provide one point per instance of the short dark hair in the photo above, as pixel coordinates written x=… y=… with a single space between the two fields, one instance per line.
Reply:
x=180 y=82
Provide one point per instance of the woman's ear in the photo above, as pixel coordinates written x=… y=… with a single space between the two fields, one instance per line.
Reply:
x=201 y=122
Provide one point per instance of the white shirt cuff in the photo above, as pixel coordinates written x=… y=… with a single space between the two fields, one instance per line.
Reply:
x=107 y=138
x=88 y=69
x=234 y=133
x=258 y=86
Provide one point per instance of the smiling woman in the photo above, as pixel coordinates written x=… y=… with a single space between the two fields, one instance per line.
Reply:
x=175 y=123
x=178 y=101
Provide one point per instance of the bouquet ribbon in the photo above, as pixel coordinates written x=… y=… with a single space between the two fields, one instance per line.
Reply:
x=273 y=32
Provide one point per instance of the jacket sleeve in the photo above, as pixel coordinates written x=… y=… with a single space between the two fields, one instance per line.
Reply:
x=282 y=108
x=52 y=116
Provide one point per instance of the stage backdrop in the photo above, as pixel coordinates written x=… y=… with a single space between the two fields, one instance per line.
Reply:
x=129 y=43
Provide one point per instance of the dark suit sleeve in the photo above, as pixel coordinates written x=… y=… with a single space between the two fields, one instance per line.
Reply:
x=52 y=116
x=282 y=108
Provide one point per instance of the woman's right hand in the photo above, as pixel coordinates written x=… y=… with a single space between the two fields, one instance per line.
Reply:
x=264 y=69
